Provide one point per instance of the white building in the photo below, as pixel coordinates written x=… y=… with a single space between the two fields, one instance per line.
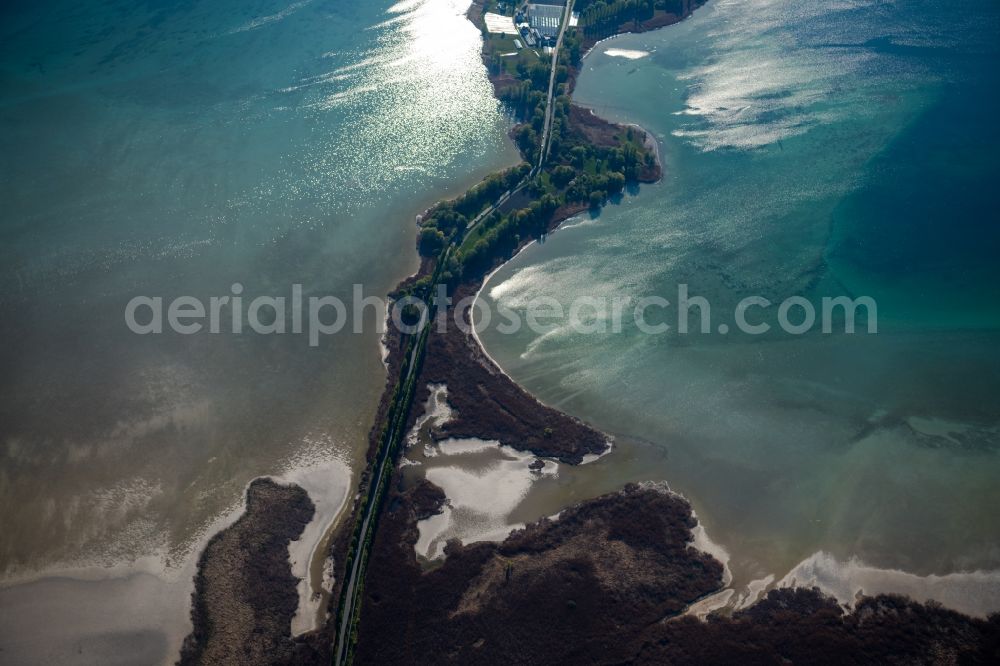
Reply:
x=498 y=24
x=545 y=19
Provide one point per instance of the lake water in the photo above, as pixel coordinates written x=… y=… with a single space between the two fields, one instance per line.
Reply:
x=177 y=148
x=811 y=149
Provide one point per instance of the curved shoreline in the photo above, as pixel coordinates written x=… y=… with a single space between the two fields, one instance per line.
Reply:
x=844 y=579
x=650 y=141
x=387 y=357
x=120 y=586
x=246 y=567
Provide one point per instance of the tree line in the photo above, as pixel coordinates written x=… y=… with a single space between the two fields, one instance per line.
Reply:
x=579 y=173
x=601 y=18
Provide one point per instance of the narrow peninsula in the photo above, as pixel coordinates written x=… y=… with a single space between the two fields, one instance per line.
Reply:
x=609 y=581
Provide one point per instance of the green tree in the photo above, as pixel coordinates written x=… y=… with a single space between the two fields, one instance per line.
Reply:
x=562 y=174
x=431 y=241
x=615 y=182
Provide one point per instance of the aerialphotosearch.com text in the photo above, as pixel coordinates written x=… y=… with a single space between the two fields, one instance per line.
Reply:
x=317 y=317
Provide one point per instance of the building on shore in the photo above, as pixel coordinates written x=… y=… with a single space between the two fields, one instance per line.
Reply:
x=498 y=24
x=544 y=20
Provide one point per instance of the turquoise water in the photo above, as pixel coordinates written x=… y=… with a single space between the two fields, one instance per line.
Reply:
x=176 y=148
x=812 y=149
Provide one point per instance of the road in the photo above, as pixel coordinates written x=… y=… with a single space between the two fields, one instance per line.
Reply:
x=543 y=146
x=383 y=457
x=499 y=202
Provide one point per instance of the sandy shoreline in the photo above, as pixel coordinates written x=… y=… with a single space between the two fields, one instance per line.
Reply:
x=155 y=632
x=317 y=554
x=120 y=623
x=844 y=580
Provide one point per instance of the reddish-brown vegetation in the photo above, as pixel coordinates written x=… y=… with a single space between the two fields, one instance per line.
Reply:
x=555 y=592
x=245 y=596
x=600 y=132
x=491 y=406
x=606 y=584
x=797 y=626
